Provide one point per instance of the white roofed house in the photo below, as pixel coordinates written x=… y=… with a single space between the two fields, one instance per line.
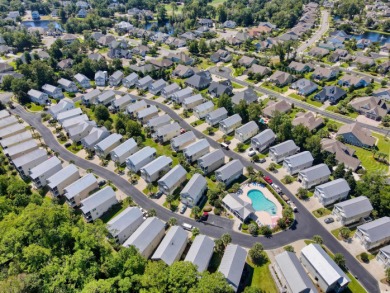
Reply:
x=196 y=150
x=94 y=206
x=180 y=95
x=159 y=121
x=80 y=130
x=69 y=123
x=20 y=149
x=295 y=163
x=15 y=139
x=11 y=130
x=200 y=252
x=104 y=147
x=353 y=210
x=383 y=256
x=283 y=150
x=67 y=85
x=230 y=172
x=4 y=113
x=194 y=190
x=125 y=224
x=178 y=143
x=329 y=276
x=116 y=78
x=211 y=161
x=170 y=90
x=80 y=189
x=156 y=87
x=229 y=124
x=333 y=191
x=133 y=109
x=61 y=117
x=232 y=265
x=172 y=246
x=203 y=109
x=144 y=82
x=30 y=160
x=314 y=175
x=8 y=121
x=96 y=135
x=62 y=179
x=147 y=237
x=106 y=98
x=172 y=180
x=101 y=78
x=246 y=131
x=62 y=106
x=141 y=158
x=90 y=97
x=167 y=132
x=193 y=101
x=374 y=234
x=121 y=103
x=146 y=114
x=155 y=169
x=216 y=116
x=123 y=151
x=43 y=171
x=130 y=80
x=82 y=80
x=52 y=91
x=291 y=274
x=38 y=97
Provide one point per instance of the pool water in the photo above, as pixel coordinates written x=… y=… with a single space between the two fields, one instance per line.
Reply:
x=261 y=203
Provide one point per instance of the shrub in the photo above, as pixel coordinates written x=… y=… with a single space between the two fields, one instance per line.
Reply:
x=207 y=209
x=253 y=229
x=217 y=211
x=174 y=154
x=364 y=257
x=289 y=248
x=265 y=230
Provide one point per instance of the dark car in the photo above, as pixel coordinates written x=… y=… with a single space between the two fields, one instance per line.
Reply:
x=183 y=209
x=267 y=179
x=262 y=160
x=101 y=183
x=329 y=220
x=68 y=144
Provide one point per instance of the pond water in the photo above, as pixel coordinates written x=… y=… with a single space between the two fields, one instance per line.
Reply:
x=42 y=23
x=373 y=37
x=261 y=203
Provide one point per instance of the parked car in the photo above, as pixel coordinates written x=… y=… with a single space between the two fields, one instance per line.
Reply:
x=187 y=227
x=329 y=220
x=68 y=144
x=251 y=153
x=182 y=131
x=267 y=179
x=183 y=209
x=101 y=183
x=225 y=146
x=262 y=160
x=293 y=206
x=204 y=217
x=158 y=194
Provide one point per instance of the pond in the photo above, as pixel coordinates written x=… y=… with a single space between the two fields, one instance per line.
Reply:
x=42 y=23
x=373 y=37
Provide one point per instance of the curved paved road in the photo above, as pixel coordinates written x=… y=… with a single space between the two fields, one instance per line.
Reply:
x=226 y=73
x=305 y=227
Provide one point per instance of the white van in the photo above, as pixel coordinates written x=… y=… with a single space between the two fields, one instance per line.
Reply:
x=187 y=227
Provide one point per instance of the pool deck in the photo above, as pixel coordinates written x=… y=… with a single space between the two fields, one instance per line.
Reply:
x=263 y=217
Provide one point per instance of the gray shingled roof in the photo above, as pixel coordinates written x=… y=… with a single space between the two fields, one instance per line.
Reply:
x=217 y=113
x=232 y=264
x=315 y=172
x=196 y=183
x=284 y=147
x=141 y=155
x=248 y=127
x=125 y=219
x=355 y=206
x=204 y=106
x=173 y=176
x=201 y=251
x=80 y=185
x=333 y=188
x=45 y=166
x=97 y=199
x=157 y=165
x=265 y=135
x=211 y=158
x=231 y=120
x=196 y=147
x=299 y=159
x=229 y=169
x=183 y=139
x=62 y=175
x=377 y=230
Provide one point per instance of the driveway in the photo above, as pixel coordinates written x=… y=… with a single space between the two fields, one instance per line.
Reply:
x=324 y=26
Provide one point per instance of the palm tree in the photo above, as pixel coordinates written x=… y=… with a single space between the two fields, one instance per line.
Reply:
x=149 y=187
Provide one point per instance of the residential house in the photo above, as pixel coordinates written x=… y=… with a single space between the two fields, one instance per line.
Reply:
x=106 y=40
x=247 y=61
x=370 y=107
x=123 y=151
x=203 y=110
x=155 y=169
x=144 y=82
x=229 y=24
x=356 y=81
x=383 y=94
x=383 y=68
x=43 y=171
x=15 y=139
x=8 y=121
x=314 y=175
x=29 y=161
x=232 y=264
x=357 y=135
x=241 y=209
x=101 y=78
x=328 y=275
x=308 y=119
x=246 y=131
x=4 y=114
x=248 y=95
x=143 y=69
x=216 y=116
x=156 y=87
x=331 y=192
x=105 y=146
x=178 y=143
x=181 y=57
x=141 y=50
x=180 y=95
x=13 y=15
x=238 y=39
x=12 y=130
x=383 y=256
x=147 y=237
x=230 y=172
x=374 y=234
x=82 y=80
x=38 y=97
x=276 y=107
x=263 y=140
x=299 y=67
x=194 y=190
x=91 y=97
x=221 y=56
x=193 y=101
x=229 y=124
x=156 y=123
x=94 y=206
x=196 y=150
x=133 y=109
x=331 y=93
x=324 y=73
x=62 y=179
x=291 y=274
x=95 y=136
x=130 y=80
x=125 y=224
x=295 y=163
x=364 y=61
x=282 y=150
x=20 y=149
x=5 y=67
x=146 y=114
x=61 y=117
x=172 y=180
x=162 y=64
x=200 y=252
x=80 y=130
x=363 y=43
x=211 y=161
x=106 y=98
x=52 y=91
x=205 y=22
x=116 y=78
x=69 y=38
x=119 y=49
x=141 y=158
x=199 y=81
x=183 y=71
x=353 y=210
x=167 y=132
x=67 y=85
x=35 y=15
x=343 y=153
x=259 y=70
x=280 y=78
x=121 y=104
x=95 y=57
x=169 y=90
x=217 y=89
x=80 y=189
x=64 y=64
x=318 y=52
x=339 y=55
x=304 y=86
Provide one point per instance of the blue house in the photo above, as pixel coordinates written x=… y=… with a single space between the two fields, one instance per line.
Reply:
x=304 y=86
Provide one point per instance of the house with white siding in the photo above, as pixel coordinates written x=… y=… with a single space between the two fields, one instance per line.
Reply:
x=95 y=205
x=211 y=161
x=62 y=179
x=283 y=150
x=144 y=82
x=104 y=147
x=96 y=135
x=125 y=224
x=82 y=80
x=230 y=172
x=180 y=142
x=130 y=80
x=314 y=175
x=229 y=124
x=216 y=116
x=374 y=234
x=333 y=191
x=20 y=149
x=43 y=171
x=169 y=90
x=52 y=91
x=295 y=163
x=61 y=117
x=353 y=210
x=116 y=78
x=69 y=123
x=62 y=106
x=80 y=189
x=194 y=190
x=77 y=132
x=246 y=131
x=124 y=150
x=121 y=103
x=383 y=256
x=193 y=101
x=232 y=264
x=101 y=78
x=30 y=160
x=133 y=109
x=12 y=130
x=106 y=98
x=155 y=169
x=200 y=252
x=156 y=87
x=15 y=139
x=141 y=158
x=38 y=97
x=8 y=121
x=263 y=140
x=159 y=121
x=172 y=180
x=146 y=114
x=90 y=97
x=180 y=95
x=196 y=150
x=203 y=109
x=167 y=132
x=67 y=85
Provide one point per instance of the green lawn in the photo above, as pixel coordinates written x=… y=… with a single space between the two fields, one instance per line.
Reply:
x=103 y=50
x=111 y=213
x=204 y=64
x=238 y=71
x=35 y=108
x=217 y=2
x=262 y=278
x=154 y=189
x=295 y=96
x=197 y=122
x=354 y=286
x=275 y=88
x=162 y=149
x=168 y=8
x=314 y=103
x=75 y=148
x=237 y=86
x=336 y=232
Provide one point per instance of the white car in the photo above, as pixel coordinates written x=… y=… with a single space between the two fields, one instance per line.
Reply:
x=251 y=153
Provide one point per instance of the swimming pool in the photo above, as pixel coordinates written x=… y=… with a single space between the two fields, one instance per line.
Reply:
x=261 y=203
